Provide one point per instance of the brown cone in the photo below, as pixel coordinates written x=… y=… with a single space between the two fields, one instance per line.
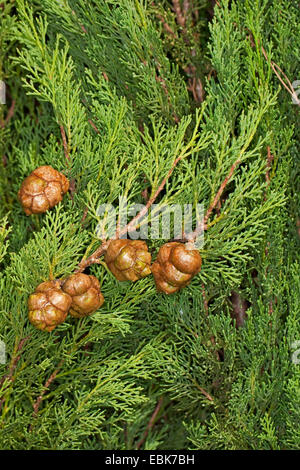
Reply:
x=175 y=266
x=42 y=189
x=48 y=306
x=128 y=260
x=85 y=293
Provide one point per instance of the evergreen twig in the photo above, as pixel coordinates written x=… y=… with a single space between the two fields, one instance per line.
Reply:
x=287 y=85
x=94 y=126
x=65 y=144
x=68 y=158
x=204 y=392
x=38 y=401
x=150 y=424
x=203 y=224
x=180 y=17
x=132 y=225
x=9 y=115
x=13 y=365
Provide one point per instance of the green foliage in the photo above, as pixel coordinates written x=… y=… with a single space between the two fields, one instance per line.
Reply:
x=101 y=93
x=184 y=31
x=4 y=231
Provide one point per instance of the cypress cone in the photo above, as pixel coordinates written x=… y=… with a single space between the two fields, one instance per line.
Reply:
x=175 y=266
x=42 y=189
x=128 y=260
x=85 y=293
x=48 y=306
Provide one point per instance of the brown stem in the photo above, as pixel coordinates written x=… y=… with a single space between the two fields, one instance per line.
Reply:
x=65 y=144
x=150 y=424
x=287 y=86
x=132 y=225
x=9 y=115
x=48 y=382
x=298 y=227
x=166 y=26
x=203 y=225
x=94 y=126
x=205 y=304
x=206 y=394
x=68 y=158
x=163 y=84
x=220 y=191
x=270 y=158
x=93 y=259
x=13 y=366
x=85 y=212
x=196 y=87
x=180 y=17
x=186 y=7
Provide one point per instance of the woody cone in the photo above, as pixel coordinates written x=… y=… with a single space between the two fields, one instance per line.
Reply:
x=176 y=264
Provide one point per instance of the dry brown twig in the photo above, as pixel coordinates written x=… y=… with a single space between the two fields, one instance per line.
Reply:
x=220 y=191
x=38 y=401
x=194 y=82
x=65 y=144
x=203 y=223
x=270 y=158
x=179 y=15
x=150 y=424
x=132 y=225
x=85 y=213
x=13 y=366
x=68 y=158
x=287 y=85
x=239 y=309
x=94 y=126
x=9 y=115
x=204 y=392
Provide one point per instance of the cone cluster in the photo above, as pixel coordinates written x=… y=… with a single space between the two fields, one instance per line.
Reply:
x=51 y=301
x=48 y=306
x=176 y=264
x=128 y=260
x=85 y=293
x=42 y=190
